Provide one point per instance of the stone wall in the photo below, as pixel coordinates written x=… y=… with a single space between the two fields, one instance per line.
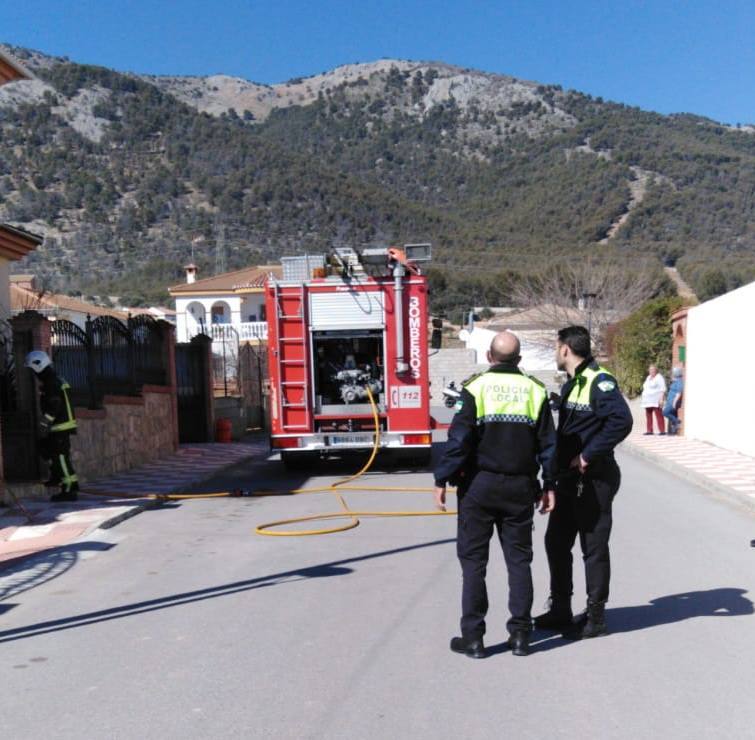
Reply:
x=450 y=364
x=127 y=432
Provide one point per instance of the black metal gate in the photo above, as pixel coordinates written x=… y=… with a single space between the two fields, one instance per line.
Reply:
x=113 y=354
x=18 y=406
x=192 y=381
x=74 y=361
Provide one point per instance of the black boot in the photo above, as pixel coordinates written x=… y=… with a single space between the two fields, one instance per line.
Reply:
x=519 y=642
x=595 y=626
x=558 y=617
x=471 y=647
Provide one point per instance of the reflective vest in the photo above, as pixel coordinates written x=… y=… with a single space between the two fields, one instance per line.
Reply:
x=507 y=397
x=69 y=421
x=580 y=394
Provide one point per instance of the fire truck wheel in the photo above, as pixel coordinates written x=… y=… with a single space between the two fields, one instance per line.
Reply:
x=299 y=460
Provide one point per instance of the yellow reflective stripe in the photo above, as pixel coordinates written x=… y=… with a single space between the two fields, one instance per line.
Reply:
x=70 y=423
x=579 y=396
x=68 y=479
x=506 y=397
x=64 y=468
x=64 y=426
x=69 y=411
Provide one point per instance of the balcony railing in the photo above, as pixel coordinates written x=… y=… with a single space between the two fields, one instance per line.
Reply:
x=248 y=330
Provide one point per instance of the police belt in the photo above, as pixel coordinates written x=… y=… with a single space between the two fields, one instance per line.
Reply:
x=594 y=469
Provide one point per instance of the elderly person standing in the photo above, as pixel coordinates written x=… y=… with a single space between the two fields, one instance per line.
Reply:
x=674 y=400
x=653 y=392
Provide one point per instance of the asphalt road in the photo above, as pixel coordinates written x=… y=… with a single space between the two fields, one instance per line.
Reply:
x=182 y=623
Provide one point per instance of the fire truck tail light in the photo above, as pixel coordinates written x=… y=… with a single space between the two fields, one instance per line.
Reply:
x=284 y=442
x=417 y=439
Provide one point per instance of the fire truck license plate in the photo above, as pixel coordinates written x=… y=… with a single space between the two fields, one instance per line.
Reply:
x=352 y=439
x=406 y=397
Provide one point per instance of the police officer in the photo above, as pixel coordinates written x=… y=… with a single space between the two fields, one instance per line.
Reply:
x=57 y=425
x=593 y=419
x=501 y=434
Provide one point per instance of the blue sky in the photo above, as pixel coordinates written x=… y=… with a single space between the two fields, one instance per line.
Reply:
x=665 y=55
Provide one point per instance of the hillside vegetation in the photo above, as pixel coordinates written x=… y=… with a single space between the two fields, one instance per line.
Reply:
x=128 y=176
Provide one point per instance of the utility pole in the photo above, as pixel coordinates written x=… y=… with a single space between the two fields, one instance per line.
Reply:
x=220 y=251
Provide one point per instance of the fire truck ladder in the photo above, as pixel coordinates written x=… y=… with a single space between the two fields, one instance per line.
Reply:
x=292 y=343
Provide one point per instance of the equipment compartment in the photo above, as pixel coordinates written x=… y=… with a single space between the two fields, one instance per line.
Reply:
x=345 y=363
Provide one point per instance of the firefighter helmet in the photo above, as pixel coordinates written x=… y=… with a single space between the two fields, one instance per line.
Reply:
x=37 y=361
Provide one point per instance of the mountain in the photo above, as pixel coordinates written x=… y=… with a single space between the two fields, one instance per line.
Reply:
x=128 y=176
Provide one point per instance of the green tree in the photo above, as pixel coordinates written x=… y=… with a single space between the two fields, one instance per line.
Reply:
x=712 y=284
x=644 y=338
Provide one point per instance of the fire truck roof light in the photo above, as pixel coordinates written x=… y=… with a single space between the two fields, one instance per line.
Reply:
x=418 y=252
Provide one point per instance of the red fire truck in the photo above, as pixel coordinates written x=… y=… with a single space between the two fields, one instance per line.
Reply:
x=341 y=324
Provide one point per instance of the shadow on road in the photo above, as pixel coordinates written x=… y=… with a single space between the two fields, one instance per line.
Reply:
x=717 y=602
x=324 y=570
x=29 y=571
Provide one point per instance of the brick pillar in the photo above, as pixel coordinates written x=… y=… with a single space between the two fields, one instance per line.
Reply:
x=32 y=330
x=39 y=327
x=679 y=352
x=168 y=335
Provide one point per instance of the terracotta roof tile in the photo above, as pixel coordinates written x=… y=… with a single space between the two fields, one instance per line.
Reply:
x=229 y=282
x=22 y=299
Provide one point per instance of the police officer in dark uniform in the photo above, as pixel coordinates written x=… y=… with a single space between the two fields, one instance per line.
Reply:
x=593 y=419
x=501 y=434
x=58 y=423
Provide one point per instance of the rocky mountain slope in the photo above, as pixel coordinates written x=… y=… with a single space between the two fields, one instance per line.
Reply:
x=128 y=176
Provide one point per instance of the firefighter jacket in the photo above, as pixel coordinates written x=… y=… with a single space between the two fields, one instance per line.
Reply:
x=55 y=403
x=503 y=424
x=593 y=415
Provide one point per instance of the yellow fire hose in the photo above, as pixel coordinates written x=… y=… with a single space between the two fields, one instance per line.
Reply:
x=270 y=529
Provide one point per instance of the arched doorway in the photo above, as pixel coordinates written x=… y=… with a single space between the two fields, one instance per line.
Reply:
x=196 y=319
x=221 y=313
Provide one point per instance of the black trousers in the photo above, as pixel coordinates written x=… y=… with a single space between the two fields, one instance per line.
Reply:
x=583 y=510
x=505 y=503
x=56 y=449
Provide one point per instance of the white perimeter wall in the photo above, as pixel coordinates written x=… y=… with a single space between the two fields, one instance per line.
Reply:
x=720 y=394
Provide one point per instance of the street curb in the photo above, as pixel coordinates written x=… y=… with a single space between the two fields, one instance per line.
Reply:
x=124 y=515
x=680 y=471
x=156 y=503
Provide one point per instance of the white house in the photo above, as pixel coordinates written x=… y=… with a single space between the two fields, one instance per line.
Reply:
x=537 y=341
x=719 y=405
x=161 y=313
x=231 y=303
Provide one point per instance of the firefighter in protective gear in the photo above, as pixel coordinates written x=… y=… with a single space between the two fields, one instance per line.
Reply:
x=57 y=425
x=501 y=435
x=593 y=418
